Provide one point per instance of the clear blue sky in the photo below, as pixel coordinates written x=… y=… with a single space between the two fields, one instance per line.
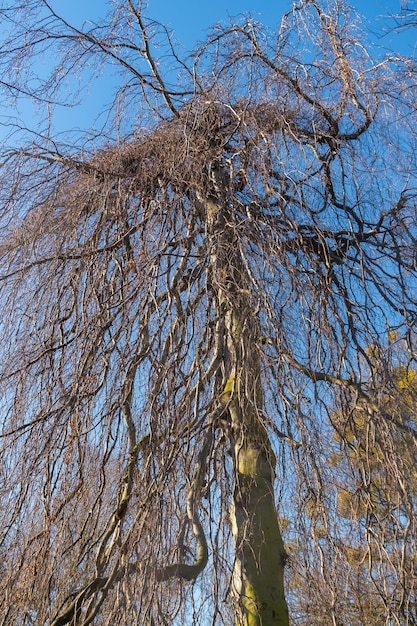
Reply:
x=191 y=19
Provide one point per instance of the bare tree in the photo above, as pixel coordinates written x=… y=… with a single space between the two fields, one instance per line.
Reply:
x=407 y=15
x=376 y=453
x=189 y=300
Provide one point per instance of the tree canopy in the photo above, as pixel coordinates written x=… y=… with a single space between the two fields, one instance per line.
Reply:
x=192 y=304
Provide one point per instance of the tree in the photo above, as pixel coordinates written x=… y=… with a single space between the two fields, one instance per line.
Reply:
x=376 y=450
x=188 y=296
x=407 y=15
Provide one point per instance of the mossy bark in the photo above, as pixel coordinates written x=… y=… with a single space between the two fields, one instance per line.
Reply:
x=258 y=577
x=258 y=573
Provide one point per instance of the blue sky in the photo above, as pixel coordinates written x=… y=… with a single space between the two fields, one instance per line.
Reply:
x=191 y=19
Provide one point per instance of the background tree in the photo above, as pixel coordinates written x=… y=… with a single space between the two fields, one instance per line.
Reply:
x=376 y=450
x=187 y=299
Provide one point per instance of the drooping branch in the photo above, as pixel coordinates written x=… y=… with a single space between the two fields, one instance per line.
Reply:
x=185 y=570
x=174 y=306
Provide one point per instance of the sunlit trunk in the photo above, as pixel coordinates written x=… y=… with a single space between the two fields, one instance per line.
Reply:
x=260 y=556
x=258 y=571
x=258 y=576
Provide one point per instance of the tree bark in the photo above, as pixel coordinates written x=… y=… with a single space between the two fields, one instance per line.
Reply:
x=258 y=572
x=258 y=576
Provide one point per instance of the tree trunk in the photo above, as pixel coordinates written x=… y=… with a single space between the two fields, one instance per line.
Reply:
x=260 y=554
x=258 y=573
x=258 y=577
